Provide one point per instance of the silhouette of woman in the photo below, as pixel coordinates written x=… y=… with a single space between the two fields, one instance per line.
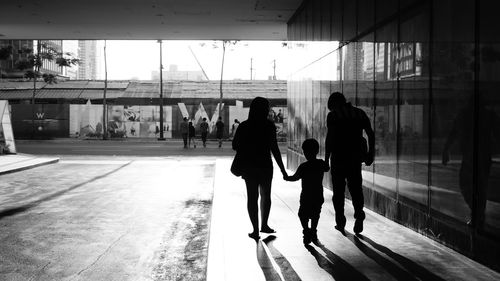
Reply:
x=255 y=140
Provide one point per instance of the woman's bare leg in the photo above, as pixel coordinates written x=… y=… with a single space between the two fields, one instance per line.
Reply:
x=252 y=205
x=265 y=205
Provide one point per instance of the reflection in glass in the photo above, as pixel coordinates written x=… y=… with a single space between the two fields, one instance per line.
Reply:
x=413 y=111
x=452 y=64
x=386 y=118
x=488 y=159
x=365 y=93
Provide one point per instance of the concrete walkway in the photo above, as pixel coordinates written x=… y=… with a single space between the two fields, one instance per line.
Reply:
x=19 y=162
x=385 y=251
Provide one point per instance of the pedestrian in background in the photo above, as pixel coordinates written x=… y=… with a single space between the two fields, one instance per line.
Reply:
x=220 y=130
x=192 y=133
x=185 y=130
x=234 y=127
x=204 y=131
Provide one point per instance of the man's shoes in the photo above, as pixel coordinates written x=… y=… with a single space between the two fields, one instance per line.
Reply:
x=358 y=226
x=314 y=235
x=340 y=229
x=341 y=221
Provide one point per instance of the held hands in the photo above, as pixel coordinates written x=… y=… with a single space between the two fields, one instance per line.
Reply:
x=285 y=175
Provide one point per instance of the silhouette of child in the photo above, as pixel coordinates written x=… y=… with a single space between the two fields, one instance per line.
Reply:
x=311 y=198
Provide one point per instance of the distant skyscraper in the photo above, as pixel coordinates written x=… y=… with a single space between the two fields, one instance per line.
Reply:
x=71 y=46
x=353 y=62
x=368 y=72
x=173 y=73
x=51 y=66
x=381 y=61
x=88 y=55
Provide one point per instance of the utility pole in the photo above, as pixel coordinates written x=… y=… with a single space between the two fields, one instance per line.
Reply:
x=222 y=76
x=36 y=69
x=161 y=138
x=251 y=68
x=104 y=104
x=274 y=69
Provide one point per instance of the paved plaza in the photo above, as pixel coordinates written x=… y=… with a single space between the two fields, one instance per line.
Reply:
x=97 y=219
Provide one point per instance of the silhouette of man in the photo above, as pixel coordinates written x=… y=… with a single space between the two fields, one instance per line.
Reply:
x=192 y=134
x=346 y=150
x=185 y=131
x=219 y=130
x=204 y=131
x=463 y=130
x=311 y=198
x=279 y=117
x=235 y=127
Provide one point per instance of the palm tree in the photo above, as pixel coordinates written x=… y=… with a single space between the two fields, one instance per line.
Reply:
x=224 y=44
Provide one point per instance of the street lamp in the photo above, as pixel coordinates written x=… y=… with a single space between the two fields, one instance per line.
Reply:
x=161 y=138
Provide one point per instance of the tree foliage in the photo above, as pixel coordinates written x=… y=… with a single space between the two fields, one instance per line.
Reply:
x=5 y=52
x=34 y=61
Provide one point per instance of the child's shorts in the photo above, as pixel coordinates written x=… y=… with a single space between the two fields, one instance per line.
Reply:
x=310 y=211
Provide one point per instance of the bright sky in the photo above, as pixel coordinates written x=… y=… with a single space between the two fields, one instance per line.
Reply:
x=137 y=59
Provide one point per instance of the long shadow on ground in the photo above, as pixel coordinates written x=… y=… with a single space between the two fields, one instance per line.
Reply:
x=26 y=207
x=266 y=262
x=392 y=268
x=416 y=269
x=338 y=268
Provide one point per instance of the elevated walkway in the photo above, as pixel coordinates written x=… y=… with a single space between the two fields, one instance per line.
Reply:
x=385 y=251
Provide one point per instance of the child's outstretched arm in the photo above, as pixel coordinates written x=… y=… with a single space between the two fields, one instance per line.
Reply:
x=292 y=178
x=296 y=176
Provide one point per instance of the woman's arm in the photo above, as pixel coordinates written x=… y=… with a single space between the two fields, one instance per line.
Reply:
x=275 y=150
x=328 y=140
x=277 y=156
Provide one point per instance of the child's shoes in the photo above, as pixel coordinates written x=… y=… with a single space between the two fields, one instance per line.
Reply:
x=314 y=235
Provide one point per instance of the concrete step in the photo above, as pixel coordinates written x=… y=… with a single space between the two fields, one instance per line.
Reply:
x=19 y=162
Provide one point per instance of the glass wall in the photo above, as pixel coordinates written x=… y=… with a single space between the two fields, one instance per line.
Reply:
x=488 y=122
x=427 y=75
